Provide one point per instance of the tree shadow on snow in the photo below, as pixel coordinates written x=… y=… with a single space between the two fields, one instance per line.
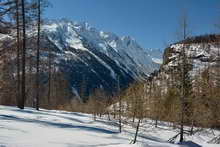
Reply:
x=48 y=113
x=109 y=123
x=189 y=144
x=63 y=112
x=58 y=125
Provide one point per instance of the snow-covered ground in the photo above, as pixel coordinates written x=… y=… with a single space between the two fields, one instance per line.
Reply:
x=50 y=128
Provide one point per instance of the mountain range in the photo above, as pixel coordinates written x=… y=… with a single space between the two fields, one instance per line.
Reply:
x=92 y=59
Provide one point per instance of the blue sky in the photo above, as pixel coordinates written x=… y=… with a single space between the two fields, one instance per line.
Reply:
x=153 y=23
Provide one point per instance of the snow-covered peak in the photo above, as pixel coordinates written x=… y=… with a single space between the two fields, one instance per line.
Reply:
x=66 y=22
x=123 y=50
x=127 y=38
x=131 y=42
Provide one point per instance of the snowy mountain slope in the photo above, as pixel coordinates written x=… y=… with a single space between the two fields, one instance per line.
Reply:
x=95 y=58
x=201 y=55
x=46 y=128
x=124 y=51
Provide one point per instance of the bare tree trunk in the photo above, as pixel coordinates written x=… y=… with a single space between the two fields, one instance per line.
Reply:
x=109 y=118
x=156 y=121
x=38 y=56
x=18 y=52
x=23 y=82
x=183 y=75
x=49 y=78
x=181 y=126
x=137 y=129
x=134 y=115
x=119 y=105
x=114 y=111
x=182 y=106
x=192 y=128
x=108 y=104
x=94 y=116
x=135 y=109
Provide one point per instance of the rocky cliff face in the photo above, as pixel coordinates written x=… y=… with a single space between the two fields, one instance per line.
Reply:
x=203 y=51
